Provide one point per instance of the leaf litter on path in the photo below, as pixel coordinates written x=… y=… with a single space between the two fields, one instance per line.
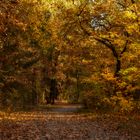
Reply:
x=62 y=123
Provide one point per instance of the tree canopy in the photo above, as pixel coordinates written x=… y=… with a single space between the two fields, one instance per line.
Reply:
x=90 y=48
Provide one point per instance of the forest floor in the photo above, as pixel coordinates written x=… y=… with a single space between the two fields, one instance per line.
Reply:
x=67 y=122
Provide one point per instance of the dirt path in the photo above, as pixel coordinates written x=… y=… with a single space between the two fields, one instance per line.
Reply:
x=59 y=123
x=65 y=108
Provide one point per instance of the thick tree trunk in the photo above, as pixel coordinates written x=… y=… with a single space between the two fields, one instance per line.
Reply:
x=53 y=90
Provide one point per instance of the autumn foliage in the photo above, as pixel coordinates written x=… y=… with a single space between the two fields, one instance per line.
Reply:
x=90 y=48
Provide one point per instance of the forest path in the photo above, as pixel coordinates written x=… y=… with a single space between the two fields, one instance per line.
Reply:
x=64 y=108
x=60 y=122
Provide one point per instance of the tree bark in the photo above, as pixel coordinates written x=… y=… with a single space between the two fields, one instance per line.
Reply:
x=118 y=67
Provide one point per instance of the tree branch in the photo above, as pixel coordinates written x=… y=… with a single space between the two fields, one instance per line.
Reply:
x=107 y=43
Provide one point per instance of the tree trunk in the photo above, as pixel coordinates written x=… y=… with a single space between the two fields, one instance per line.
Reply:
x=77 y=85
x=118 y=67
x=53 y=90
